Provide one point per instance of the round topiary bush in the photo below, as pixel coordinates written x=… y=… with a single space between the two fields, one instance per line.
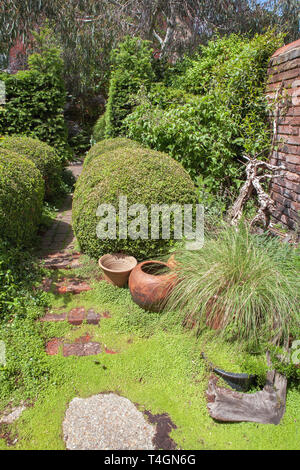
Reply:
x=145 y=177
x=99 y=129
x=21 y=197
x=108 y=145
x=42 y=155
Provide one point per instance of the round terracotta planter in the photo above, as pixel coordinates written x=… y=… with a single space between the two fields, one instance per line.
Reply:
x=117 y=268
x=150 y=284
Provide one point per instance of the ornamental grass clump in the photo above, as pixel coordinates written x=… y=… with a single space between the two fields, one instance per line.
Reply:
x=243 y=285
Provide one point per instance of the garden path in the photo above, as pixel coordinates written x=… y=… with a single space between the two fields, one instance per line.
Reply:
x=105 y=421
x=58 y=252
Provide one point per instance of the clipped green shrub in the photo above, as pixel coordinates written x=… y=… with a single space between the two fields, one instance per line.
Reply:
x=131 y=69
x=99 y=129
x=145 y=177
x=42 y=155
x=21 y=196
x=108 y=145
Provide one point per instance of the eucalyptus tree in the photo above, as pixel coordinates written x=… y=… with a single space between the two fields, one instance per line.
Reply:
x=88 y=30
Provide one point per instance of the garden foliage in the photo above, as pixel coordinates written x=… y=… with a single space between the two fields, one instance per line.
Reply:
x=127 y=171
x=108 y=145
x=21 y=196
x=35 y=101
x=131 y=68
x=209 y=110
x=99 y=129
x=45 y=158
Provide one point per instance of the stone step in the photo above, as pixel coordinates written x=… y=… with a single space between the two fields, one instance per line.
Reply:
x=76 y=316
x=62 y=260
x=82 y=346
x=66 y=286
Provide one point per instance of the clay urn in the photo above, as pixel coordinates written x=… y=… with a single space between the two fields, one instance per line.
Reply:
x=117 y=268
x=150 y=284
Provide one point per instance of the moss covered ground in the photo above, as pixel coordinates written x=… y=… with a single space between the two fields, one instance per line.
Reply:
x=158 y=365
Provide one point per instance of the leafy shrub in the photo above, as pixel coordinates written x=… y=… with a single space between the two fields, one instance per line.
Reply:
x=235 y=69
x=200 y=134
x=108 y=145
x=18 y=271
x=211 y=109
x=144 y=177
x=99 y=129
x=247 y=285
x=8 y=283
x=132 y=67
x=68 y=181
x=35 y=101
x=42 y=155
x=21 y=196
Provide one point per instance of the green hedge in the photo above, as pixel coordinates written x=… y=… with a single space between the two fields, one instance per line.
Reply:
x=21 y=198
x=35 y=101
x=145 y=177
x=99 y=129
x=43 y=156
x=132 y=68
x=108 y=145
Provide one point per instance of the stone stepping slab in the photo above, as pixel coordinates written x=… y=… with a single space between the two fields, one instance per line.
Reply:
x=66 y=286
x=82 y=346
x=73 y=286
x=75 y=317
x=106 y=421
x=62 y=260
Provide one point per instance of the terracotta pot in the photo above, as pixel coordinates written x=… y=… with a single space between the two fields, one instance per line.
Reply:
x=117 y=268
x=150 y=284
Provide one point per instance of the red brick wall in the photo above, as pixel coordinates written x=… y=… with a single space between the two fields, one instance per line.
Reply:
x=285 y=69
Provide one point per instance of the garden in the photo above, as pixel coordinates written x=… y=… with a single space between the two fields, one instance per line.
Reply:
x=148 y=300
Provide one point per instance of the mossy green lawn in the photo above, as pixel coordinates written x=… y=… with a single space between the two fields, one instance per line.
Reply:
x=157 y=366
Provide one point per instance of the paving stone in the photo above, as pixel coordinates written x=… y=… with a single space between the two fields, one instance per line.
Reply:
x=52 y=347
x=62 y=260
x=14 y=414
x=57 y=263
x=75 y=264
x=81 y=349
x=92 y=317
x=74 y=286
x=76 y=316
x=106 y=421
x=52 y=317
